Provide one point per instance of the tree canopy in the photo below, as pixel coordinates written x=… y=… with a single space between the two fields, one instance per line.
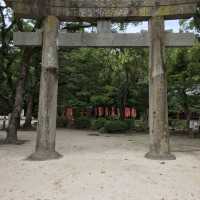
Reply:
x=92 y=77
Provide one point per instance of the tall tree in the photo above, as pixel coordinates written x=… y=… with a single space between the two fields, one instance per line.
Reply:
x=25 y=61
x=19 y=97
x=184 y=78
x=9 y=57
x=32 y=85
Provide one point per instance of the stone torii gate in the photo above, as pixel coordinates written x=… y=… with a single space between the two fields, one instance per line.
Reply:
x=104 y=12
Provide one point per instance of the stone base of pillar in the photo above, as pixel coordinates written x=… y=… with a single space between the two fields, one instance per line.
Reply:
x=156 y=156
x=42 y=156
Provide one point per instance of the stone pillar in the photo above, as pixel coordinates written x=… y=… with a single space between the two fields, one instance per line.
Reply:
x=158 y=107
x=104 y=26
x=46 y=131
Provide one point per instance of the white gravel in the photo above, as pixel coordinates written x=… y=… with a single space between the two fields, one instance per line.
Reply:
x=100 y=168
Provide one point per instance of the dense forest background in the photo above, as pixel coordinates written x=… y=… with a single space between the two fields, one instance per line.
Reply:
x=92 y=77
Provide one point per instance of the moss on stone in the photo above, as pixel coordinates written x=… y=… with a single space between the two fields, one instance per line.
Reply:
x=164 y=10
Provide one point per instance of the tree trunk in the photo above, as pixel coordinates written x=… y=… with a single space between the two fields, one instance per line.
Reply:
x=146 y=120
x=186 y=111
x=158 y=108
x=27 y=124
x=4 y=123
x=20 y=88
x=188 y=121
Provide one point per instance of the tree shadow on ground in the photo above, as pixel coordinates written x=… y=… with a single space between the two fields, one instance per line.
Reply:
x=18 y=142
x=94 y=134
x=185 y=150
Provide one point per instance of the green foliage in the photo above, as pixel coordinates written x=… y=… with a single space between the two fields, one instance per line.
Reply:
x=102 y=130
x=178 y=124
x=99 y=100
x=112 y=126
x=83 y=123
x=61 y=122
x=130 y=123
x=197 y=19
x=141 y=126
x=92 y=77
x=98 y=123
x=12 y=57
x=116 y=126
x=109 y=77
x=184 y=79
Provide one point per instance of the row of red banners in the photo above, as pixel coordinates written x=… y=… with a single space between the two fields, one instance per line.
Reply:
x=113 y=112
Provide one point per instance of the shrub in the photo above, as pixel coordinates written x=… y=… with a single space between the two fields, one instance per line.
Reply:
x=82 y=123
x=102 y=130
x=141 y=126
x=178 y=124
x=61 y=122
x=116 y=126
x=130 y=123
x=98 y=123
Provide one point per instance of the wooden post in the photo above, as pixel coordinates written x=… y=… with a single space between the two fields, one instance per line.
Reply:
x=46 y=131
x=158 y=107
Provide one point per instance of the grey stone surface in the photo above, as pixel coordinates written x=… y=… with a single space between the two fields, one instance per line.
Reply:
x=158 y=106
x=104 y=26
x=89 y=10
x=46 y=130
x=104 y=39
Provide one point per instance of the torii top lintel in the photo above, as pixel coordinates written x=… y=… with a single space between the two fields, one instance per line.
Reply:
x=116 y=10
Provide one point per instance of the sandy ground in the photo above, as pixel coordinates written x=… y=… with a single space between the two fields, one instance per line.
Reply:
x=100 y=168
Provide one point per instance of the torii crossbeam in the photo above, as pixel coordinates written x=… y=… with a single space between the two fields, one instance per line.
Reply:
x=93 y=10
x=104 y=40
x=103 y=11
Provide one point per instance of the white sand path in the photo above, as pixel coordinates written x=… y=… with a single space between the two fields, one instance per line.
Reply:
x=100 y=168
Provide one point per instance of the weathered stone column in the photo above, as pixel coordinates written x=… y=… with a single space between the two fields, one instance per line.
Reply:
x=104 y=26
x=158 y=107
x=46 y=131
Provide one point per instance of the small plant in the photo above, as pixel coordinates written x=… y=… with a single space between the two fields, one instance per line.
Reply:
x=98 y=123
x=130 y=123
x=116 y=126
x=61 y=122
x=82 y=123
